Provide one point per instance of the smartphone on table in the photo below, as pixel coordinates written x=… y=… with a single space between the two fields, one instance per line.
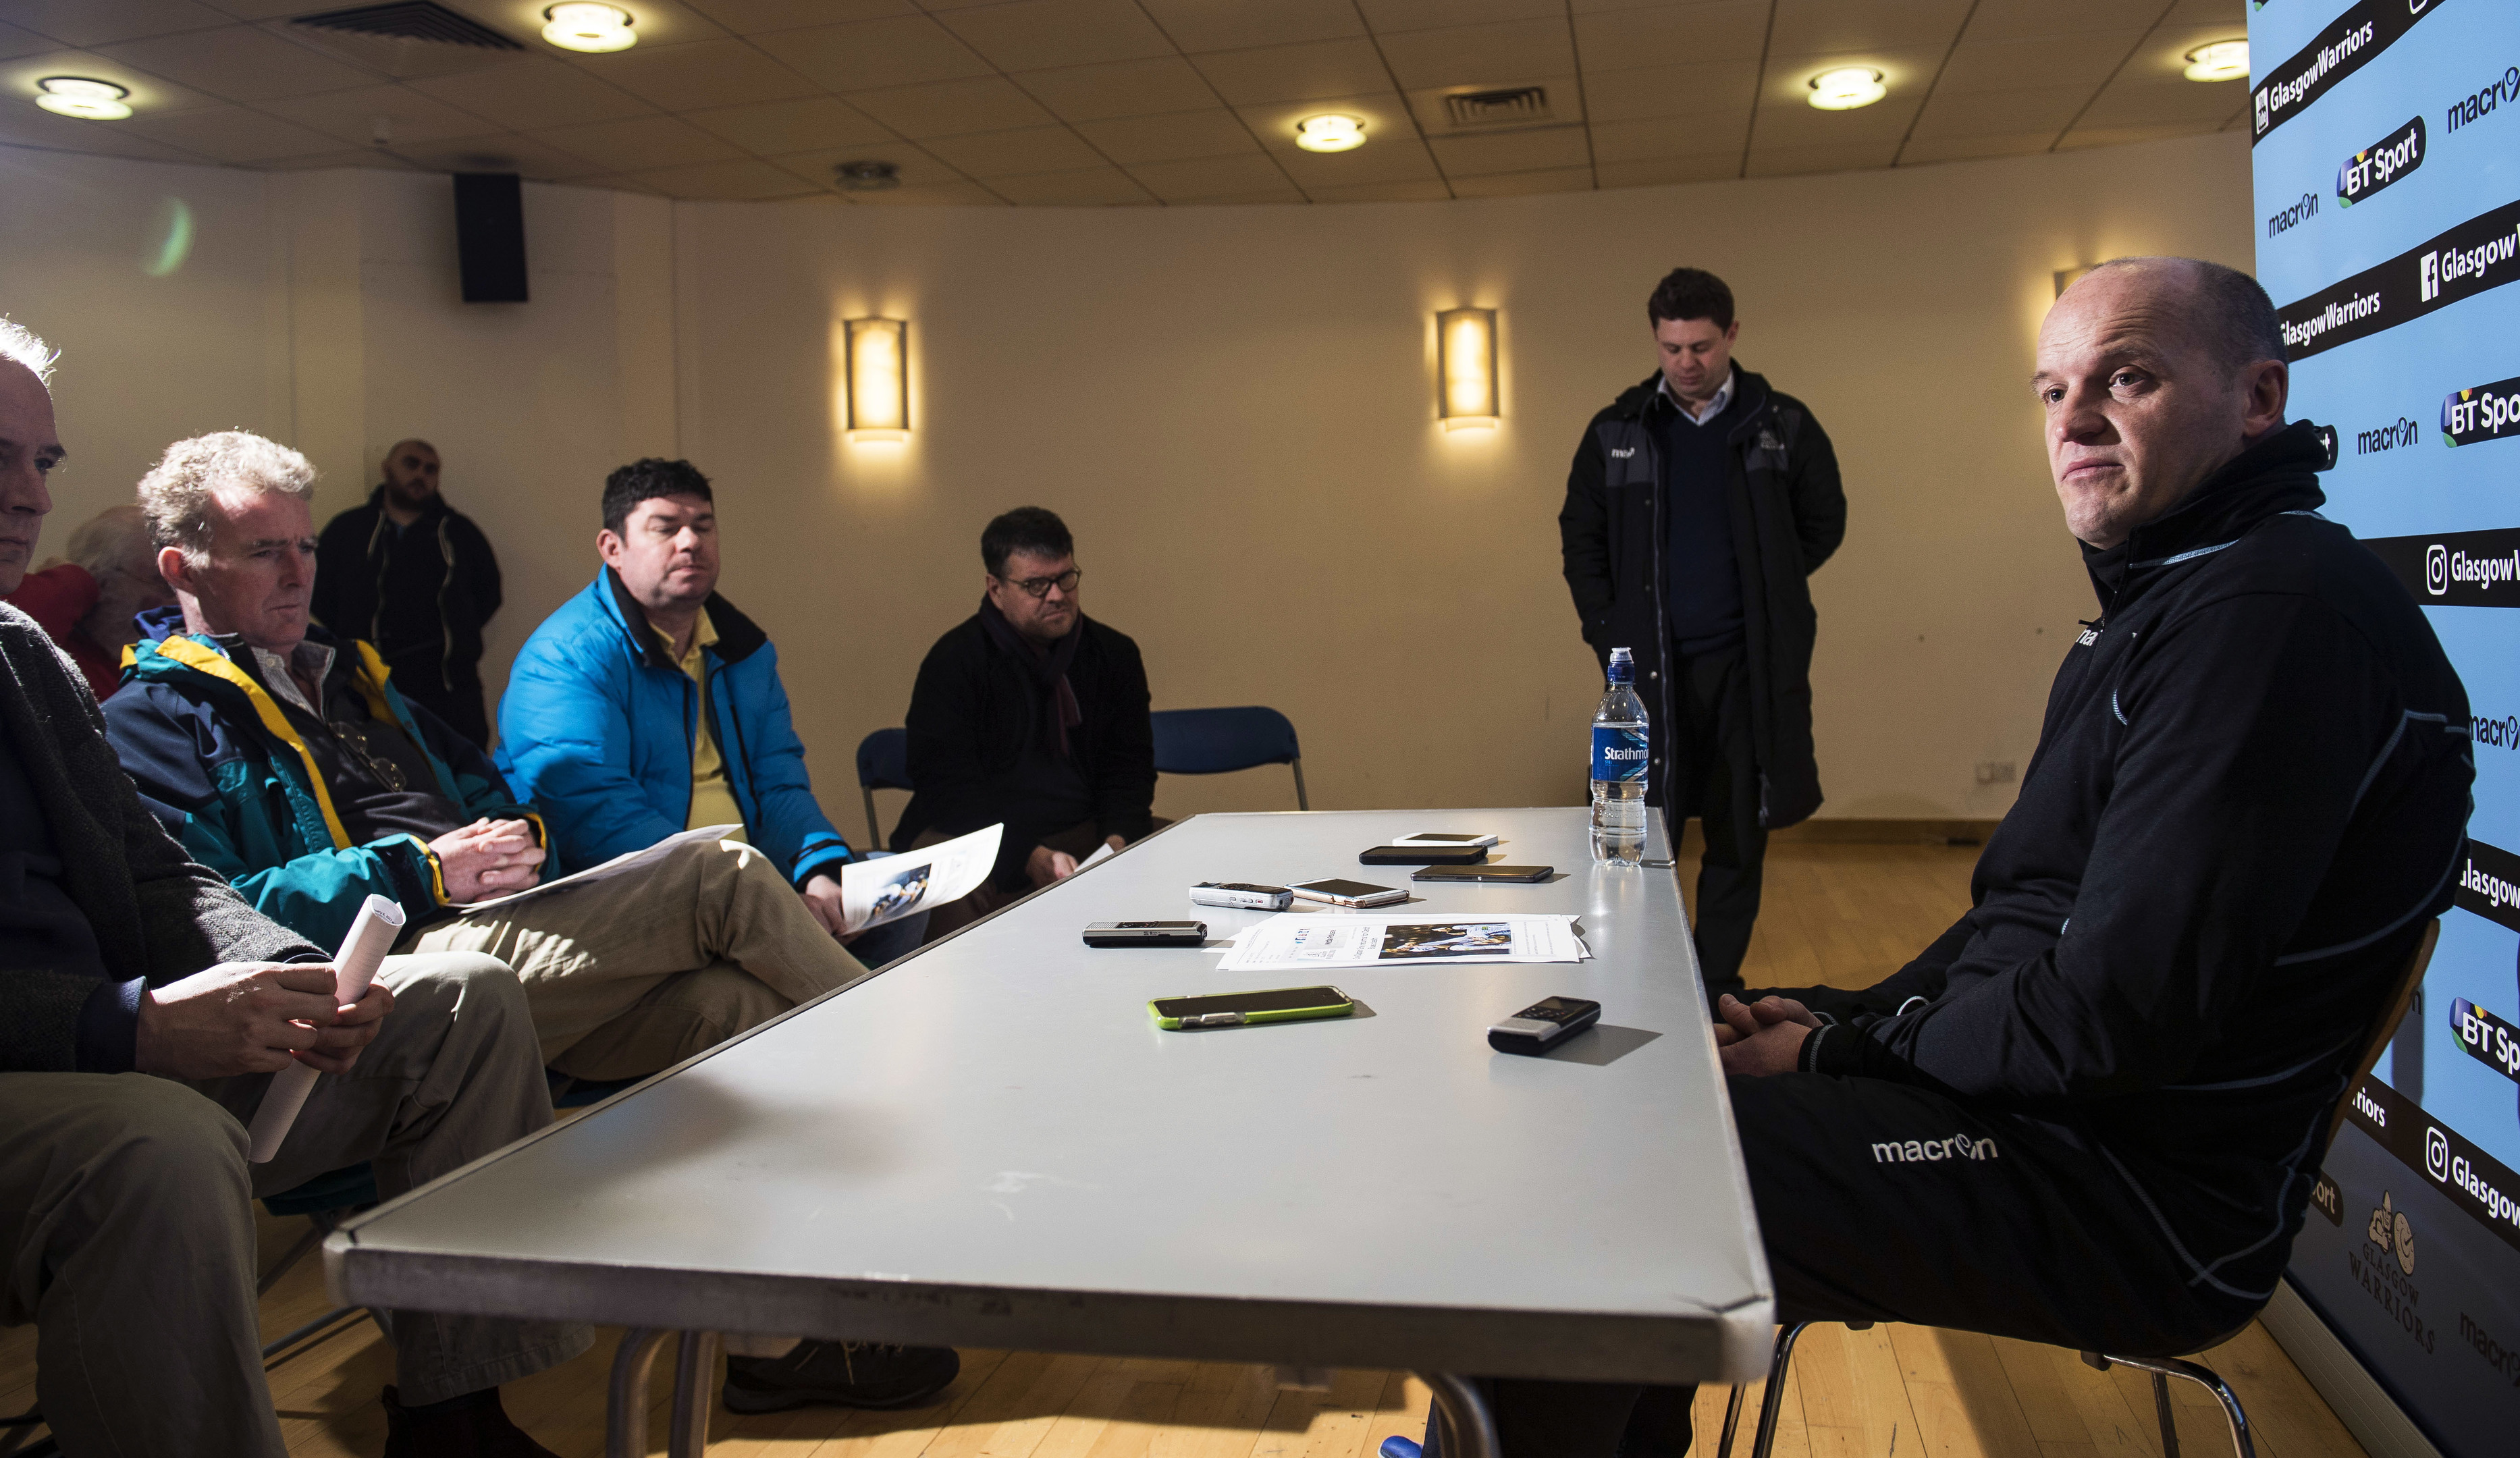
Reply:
x=1234 y=1009
x=1506 y=874
x=1342 y=892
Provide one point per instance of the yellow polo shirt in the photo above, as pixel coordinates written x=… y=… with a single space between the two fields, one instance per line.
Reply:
x=713 y=793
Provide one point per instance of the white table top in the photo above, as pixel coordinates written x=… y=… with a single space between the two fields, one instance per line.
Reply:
x=992 y=1145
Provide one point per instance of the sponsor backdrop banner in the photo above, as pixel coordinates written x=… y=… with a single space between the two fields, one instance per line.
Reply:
x=2387 y=170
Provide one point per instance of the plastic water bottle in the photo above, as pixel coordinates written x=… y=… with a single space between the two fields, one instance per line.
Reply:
x=1619 y=758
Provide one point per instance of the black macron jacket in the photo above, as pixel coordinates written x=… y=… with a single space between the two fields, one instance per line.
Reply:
x=2250 y=792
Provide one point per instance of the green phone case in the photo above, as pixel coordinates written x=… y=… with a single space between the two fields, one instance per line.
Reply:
x=1339 y=1010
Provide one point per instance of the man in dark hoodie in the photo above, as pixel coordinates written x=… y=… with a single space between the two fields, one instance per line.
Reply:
x=2091 y=1111
x=414 y=576
x=1699 y=501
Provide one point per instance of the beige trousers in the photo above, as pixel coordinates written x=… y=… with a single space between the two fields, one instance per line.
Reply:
x=124 y=1218
x=634 y=974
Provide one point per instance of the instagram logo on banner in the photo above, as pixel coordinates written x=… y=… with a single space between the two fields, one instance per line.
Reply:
x=2436 y=569
x=2437 y=1154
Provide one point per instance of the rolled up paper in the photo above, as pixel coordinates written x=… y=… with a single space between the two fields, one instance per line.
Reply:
x=354 y=966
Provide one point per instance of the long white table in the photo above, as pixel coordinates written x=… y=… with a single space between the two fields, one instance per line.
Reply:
x=991 y=1144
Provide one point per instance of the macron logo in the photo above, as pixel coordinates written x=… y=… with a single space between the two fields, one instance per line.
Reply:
x=1927 y=1151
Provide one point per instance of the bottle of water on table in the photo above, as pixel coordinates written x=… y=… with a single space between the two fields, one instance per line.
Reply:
x=1619 y=758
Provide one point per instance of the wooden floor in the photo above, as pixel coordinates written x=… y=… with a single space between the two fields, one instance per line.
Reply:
x=1844 y=914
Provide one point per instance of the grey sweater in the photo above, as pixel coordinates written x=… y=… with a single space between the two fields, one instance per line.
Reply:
x=157 y=916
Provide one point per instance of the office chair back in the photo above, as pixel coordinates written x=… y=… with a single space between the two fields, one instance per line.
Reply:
x=1216 y=742
x=2391 y=1013
x=883 y=764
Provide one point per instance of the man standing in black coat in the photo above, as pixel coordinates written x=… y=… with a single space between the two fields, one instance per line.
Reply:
x=1700 y=503
x=1032 y=714
x=415 y=577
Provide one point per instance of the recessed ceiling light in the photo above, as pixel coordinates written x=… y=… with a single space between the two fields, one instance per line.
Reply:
x=1330 y=133
x=84 y=98
x=583 y=25
x=1847 y=88
x=868 y=177
x=2223 y=60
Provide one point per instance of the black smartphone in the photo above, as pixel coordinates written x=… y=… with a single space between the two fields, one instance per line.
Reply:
x=1146 y=934
x=1507 y=874
x=1423 y=856
x=1544 y=1024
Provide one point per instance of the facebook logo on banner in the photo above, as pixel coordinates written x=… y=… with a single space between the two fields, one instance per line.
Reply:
x=2431 y=283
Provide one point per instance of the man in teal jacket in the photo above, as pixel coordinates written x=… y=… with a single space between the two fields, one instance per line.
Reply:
x=647 y=705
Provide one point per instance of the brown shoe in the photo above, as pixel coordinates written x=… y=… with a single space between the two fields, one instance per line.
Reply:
x=472 y=1426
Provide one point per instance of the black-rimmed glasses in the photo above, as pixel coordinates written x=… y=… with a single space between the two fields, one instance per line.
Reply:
x=1039 y=587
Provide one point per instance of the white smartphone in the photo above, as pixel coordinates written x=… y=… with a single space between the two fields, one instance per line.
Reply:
x=1339 y=893
x=1448 y=838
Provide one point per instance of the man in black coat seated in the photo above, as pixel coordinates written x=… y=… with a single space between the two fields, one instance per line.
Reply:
x=2091 y=1111
x=1032 y=714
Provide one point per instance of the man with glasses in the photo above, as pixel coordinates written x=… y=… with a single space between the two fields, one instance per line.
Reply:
x=1030 y=714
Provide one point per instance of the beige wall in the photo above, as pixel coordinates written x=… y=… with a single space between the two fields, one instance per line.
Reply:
x=1231 y=406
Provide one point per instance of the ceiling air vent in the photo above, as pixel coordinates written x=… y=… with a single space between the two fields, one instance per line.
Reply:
x=410 y=19
x=1487 y=108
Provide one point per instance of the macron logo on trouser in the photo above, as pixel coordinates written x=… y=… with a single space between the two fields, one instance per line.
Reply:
x=1926 y=1151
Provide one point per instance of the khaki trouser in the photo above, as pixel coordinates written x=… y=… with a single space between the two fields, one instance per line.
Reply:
x=124 y=1216
x=634 y=974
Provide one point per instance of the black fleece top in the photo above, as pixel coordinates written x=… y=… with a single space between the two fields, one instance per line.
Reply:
x=2250 y=793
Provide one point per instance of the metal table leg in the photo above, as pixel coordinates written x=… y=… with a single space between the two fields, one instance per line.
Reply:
x=695 y=1368
x=1469 y=1431
x=625 y=1406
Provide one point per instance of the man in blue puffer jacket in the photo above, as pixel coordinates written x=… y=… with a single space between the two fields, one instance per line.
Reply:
x=647 y=705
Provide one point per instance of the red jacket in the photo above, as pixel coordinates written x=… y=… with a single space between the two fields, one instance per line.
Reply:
x=57 y=597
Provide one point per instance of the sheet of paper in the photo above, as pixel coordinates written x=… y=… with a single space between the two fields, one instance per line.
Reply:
x=1296 y=940
x=621 y=865
x=891 y=887
x=1104 y=853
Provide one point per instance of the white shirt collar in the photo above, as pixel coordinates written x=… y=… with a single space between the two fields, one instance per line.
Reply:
x=1714 y=407
x=317 y=660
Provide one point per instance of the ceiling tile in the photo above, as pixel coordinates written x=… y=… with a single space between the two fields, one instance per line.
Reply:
x=2119 y=136
x=2063 y=62
x=1791 y=161
x=21 y=124
x=1986 y=113
x=751 y=17
x=983 y=155
x=93 y=22
x=1430 y=190
x=942 y=195
x=637 y=144
x=1394 y=159
x=1123 y=88
x=1671 y=135
x=744 y=180
x=233 y=134
x=1094 y=187
x=1672 y=35
x=17 y=42
x=351 y=115
x=769 y=128
x=356 y=157
x=2163 y=57
x=1388 y=16
x=2017 y=20
x=1906 y=73
x=1813 y=26
x=1520 y=184
x=2186 y=104
x=1796 y=125
x=238 y=63
x=700 y=74
x=1511 y=151
x=1663 y=171
x=1235 y=24
x=947 y=108
x=1479 y=54
x=1921 y=148
x=1036 y=34
x=505 y=153
x=149 y=93
x=1293 y=73
x=2230 y=14
x=918 y=169
x=1671 y=91
x=1131 y=140
x=1277 y=196
x=864 y=54
x=534 y=94
x=1210 y=178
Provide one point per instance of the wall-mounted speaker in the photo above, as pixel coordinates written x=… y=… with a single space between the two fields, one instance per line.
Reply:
x=491 y=237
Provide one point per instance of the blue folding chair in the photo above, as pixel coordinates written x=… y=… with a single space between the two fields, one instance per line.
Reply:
x=1214 y=741
x=883 y=764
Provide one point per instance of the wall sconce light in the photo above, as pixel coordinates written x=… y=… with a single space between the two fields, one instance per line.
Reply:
x=1465 y=363
x=879 y=354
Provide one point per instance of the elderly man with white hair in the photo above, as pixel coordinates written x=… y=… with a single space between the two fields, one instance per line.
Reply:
x=87 y=602
x=144 y=1007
